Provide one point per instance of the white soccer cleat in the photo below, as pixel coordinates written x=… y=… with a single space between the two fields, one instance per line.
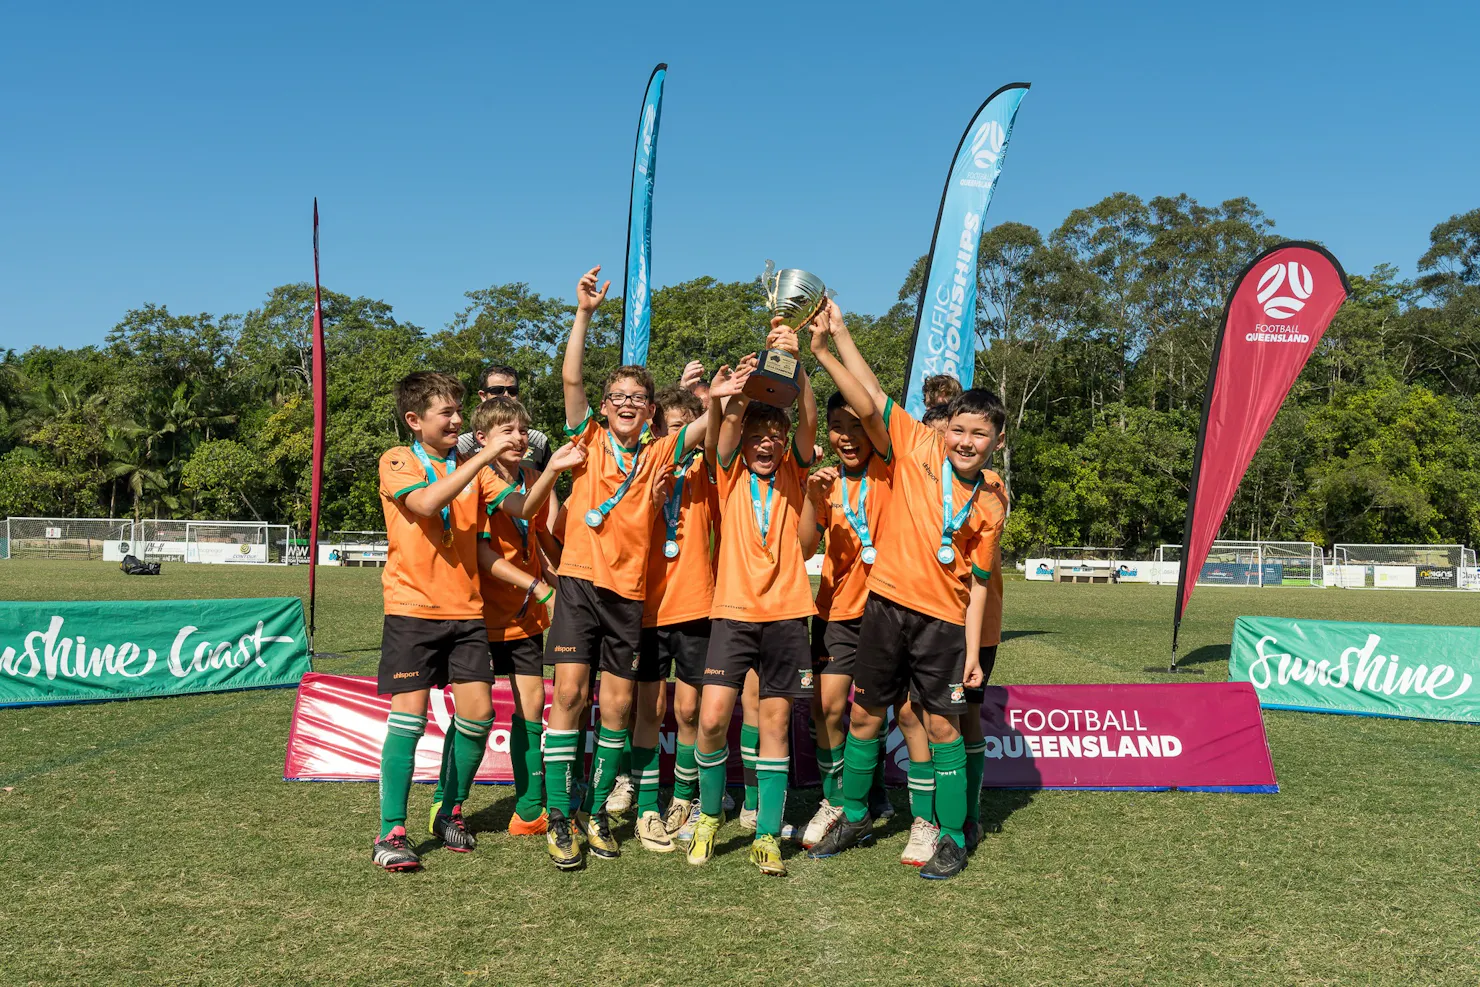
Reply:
x=921 y=846
x=825 y=819
x=620 y=800
x=686 y=832
x=747 y=819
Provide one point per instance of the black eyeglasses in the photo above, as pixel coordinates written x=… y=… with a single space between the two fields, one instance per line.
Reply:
x=619 y=399
x=499 y=390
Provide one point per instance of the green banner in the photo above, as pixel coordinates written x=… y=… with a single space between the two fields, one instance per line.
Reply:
x=86 y=652
x=1330 y=666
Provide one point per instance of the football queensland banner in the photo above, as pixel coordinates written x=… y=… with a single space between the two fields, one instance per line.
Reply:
x=1330 y=666
x=945 y=319
x=637 y=319
x=87 y=652
x=1278 y=311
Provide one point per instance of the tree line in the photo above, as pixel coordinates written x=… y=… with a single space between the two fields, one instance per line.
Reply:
x=1097 y=336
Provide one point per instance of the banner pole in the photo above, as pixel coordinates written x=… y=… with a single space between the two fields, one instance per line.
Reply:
x=319 y=391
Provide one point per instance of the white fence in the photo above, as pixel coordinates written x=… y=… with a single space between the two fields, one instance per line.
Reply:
x=110 y=539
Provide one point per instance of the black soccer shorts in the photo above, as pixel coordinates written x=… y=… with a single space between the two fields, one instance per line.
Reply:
x=776 y=649
x=834 y=643
x=681 y=649
x=595 y=627
x=902 y=652
x=526 y=656
x=420 y=654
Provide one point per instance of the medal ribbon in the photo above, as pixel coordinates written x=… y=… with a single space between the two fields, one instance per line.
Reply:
x=857 y=518
x=521 y=525
x=671 y=508
x=631 y=474
x=426 y=464
x=950 y=524
x=762 y=515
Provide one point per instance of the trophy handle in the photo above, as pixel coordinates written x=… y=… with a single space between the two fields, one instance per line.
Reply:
x=768 y=279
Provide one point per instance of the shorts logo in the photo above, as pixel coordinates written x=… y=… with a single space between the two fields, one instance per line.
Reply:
x=406 y=675
x=806 y=675
x=958 y=692
x=561 y=649
x=715 y=671
x=635 y=660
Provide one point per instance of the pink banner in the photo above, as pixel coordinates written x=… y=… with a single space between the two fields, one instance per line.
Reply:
x=1198 y=736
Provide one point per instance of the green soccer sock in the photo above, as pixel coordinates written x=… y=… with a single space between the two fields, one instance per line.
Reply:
x=624 y=762
x=976 y=766
x=645 y=776
x=685 y=773
x=950 y=788
x=878 y=786
x=859 y=759
x=749 y=737
x=712 y=780
x=397 y=762
x=771 y=775
x=922 y=790
x=469 y=743
x=830 y=767
x=561 y=756
x=529 y=767
x=609 y=745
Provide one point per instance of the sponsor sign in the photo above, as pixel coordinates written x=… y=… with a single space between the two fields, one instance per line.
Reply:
x=87 y=652
x=1394 y=576
x=1436 y=576
x=1404 y=670
x=1241 y=574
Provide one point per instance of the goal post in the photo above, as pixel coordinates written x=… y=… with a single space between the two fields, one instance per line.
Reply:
x=236 y=542
x=68 y=538
x=1254 y=563
x=1405 y=566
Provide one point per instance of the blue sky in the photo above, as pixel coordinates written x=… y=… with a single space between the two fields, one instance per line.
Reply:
x=170 y=153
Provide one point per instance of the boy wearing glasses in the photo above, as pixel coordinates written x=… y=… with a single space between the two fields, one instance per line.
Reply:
x=602 y=579
x=500 y=380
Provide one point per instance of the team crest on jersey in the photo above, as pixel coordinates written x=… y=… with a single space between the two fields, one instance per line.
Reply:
x=806 y=676
x=958 y=692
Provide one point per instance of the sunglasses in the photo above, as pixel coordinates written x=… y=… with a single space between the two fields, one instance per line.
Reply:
x=499 y=390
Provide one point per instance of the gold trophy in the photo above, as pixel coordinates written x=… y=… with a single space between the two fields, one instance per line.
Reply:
x=797 y=296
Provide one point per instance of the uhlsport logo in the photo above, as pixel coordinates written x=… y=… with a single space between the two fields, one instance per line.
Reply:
x=986 y=145
x=1295 y=278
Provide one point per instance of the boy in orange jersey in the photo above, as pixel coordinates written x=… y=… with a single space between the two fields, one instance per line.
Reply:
x=762 y=597
x=675 y=624
x=434 y=633
x=922 y=622
x=602 y=580
x=845 y=503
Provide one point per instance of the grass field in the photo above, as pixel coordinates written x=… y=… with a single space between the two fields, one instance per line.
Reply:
x=155 y=842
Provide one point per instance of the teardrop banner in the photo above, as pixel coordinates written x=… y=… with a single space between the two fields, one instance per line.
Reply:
x=1280 y=307
x=637 y=316
x=945 y=316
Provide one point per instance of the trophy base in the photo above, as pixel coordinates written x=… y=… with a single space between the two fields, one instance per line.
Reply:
x=776 y=380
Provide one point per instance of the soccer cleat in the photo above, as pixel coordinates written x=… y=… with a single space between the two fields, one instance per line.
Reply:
x=822 y=822
x=451 y=830
x=844 y=836
x=560 y=843
x=677 y=815
x=949 y=860
x=686 y=832
x=921 y=846
x=577 y=797
x=519 y=826
x=598 y=832
x=394 y=853
x=727 y=806
x=880 y=807
x=620 y=800
x=973 y=832
x=653 y=834
x=747 y=819
x=765 y=853
x=701 y=847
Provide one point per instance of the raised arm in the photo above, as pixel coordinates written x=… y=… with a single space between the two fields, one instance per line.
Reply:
x=859 y=398
x=726 y=415
x=852 y=359
x=572 y=371
x=527 y=504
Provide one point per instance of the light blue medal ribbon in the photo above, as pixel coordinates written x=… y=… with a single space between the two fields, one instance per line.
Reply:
x=426 y=464
x=858 y=518
x=950 y=524
x=521 y=525
x=596 y=515
x=672 y=507
x=763 y=514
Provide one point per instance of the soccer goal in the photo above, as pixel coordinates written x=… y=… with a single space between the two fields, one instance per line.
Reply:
x=231 y=542
x=68 y=538
x=1255 y=563
x=1405 y=566
x=355 y=548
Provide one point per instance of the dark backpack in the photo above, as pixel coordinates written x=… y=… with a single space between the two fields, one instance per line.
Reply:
x=132 y=566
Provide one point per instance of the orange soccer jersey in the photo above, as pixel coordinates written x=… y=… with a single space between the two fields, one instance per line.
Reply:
x=844 y=586
x=422 y=577
x=758 y=583
x=908 y=570
x=613 y=554
x=682 y=588
x=502 y=601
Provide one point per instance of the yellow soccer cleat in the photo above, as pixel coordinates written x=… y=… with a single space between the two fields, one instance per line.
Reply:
x=598 y=832
x=765 y=853
x=701 y=847
x=561 y=844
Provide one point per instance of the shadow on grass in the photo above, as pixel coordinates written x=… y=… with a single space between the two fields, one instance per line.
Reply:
x=1013 y=635
x=1208 y=654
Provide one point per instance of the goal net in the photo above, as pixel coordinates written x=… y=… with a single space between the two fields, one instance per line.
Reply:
x=68 y=538
x=236 y=542
x=1404 y=566
x=355 y=548
x=1255 y=563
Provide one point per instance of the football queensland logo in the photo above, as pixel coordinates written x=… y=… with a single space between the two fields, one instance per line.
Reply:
x=987 y=144
x=1295 y=280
